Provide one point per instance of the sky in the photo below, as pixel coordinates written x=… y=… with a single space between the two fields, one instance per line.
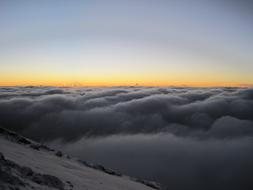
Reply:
x=121 y=43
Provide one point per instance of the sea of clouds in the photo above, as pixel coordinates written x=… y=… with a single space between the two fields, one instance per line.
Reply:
x=185 y=138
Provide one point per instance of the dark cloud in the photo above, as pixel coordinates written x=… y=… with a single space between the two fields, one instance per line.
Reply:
x=73 y=113
x=30 y=91
x=231 y=127
x=178 y=162
x=198 y=135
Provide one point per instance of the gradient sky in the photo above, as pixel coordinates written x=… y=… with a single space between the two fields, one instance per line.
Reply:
x=144 y=42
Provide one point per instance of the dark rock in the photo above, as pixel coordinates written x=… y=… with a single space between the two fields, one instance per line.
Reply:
x=1 y=156
x=13 y=175
x=152 y=184
x=68 y=157
x=24 y=141
x=69 y=183
x=40 y=147
x=58 y=153
x=8 y=178
x=27 y=171
x=35 y=147
x=48 y=180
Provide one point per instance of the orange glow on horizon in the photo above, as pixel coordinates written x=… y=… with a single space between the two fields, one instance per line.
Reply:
x=115 y=83
x=123 y=79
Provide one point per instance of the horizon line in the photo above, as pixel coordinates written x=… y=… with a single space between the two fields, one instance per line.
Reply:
x=108 y=86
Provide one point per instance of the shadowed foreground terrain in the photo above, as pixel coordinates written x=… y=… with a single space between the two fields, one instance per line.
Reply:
x=27 y=165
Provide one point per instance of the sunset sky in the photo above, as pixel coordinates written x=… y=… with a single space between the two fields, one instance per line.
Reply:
x=144 y=42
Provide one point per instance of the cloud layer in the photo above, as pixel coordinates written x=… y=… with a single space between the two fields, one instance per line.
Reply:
x=202 y=136
x=70 y=114
x=178 y=162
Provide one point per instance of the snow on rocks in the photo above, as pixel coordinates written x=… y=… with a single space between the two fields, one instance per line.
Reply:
x=25 y=164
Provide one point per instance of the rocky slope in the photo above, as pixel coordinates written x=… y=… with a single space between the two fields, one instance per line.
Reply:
x=27 y=165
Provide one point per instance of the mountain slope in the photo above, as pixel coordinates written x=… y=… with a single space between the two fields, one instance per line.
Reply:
x=25 y=164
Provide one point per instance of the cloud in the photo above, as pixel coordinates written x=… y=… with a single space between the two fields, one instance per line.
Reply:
x=231 y=127
x=70 y=115
x=201 y=136
x=178 y=162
